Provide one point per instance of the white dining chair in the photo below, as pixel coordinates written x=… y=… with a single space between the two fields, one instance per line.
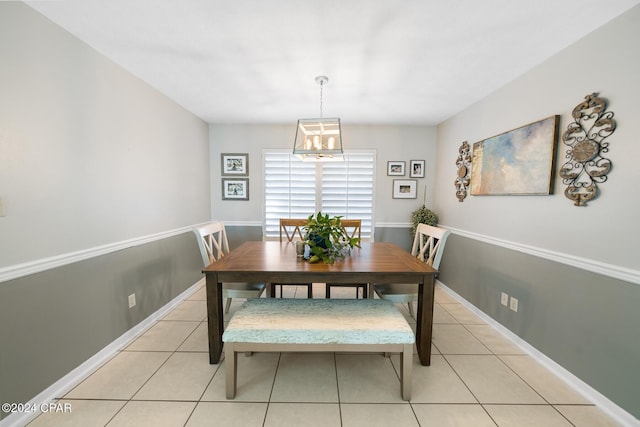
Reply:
x=213 y=244
x=428 y=246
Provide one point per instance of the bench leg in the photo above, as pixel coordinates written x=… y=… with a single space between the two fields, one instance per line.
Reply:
x=230 y=369
x=406 y=366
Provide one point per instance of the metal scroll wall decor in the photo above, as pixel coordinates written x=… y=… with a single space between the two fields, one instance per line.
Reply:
x=585 y=138
x=464 y=165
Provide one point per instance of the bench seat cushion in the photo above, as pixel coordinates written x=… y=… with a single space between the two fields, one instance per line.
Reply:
x=318 y=321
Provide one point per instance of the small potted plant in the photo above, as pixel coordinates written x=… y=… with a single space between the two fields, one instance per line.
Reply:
x=327 y=239
x=423 y=215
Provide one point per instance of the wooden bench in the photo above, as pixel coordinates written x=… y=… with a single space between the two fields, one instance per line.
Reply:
x=318 y=325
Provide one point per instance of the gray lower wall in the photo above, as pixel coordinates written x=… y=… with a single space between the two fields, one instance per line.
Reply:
x=239 y=234
x=585 y=322
x=400 y=236
x=55 y=320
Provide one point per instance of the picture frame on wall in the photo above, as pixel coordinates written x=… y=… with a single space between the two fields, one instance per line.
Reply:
x=235 y=189
x=395 y=168
x=405 y=188
x=235 y=164
x=416 y=169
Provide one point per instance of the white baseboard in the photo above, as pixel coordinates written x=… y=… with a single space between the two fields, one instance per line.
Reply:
x=589 y=393
x=73 y=378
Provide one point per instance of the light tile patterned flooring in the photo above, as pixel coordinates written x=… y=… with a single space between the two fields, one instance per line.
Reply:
x=476 y=378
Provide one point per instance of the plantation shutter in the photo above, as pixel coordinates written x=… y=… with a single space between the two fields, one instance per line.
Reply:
x=347 y=188
x=289 y=189
x=296 y=189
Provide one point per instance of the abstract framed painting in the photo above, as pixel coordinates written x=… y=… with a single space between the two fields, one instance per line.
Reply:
x=518 y=162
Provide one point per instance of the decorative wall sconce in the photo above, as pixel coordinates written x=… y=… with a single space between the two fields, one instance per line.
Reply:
x=586 y=140
x=464 y=166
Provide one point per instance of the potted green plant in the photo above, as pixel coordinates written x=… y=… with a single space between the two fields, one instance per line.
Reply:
x=327 y=238
x=423 y=215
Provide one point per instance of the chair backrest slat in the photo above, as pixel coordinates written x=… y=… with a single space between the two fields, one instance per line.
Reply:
x=428 y=244
x=212 y=241
x=289 y=227
x=352 y=227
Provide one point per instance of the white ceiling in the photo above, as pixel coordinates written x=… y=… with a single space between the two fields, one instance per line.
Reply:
x=388 y=61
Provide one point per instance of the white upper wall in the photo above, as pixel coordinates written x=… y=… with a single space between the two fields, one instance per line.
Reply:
x=606 y=230
x=403 y=143
x=89 y=154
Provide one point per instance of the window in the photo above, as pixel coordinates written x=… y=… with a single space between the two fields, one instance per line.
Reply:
x=296 y=189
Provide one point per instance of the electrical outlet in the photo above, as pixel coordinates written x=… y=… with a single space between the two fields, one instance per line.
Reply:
x=514 y=304
x=504 y=299
x=132 y=300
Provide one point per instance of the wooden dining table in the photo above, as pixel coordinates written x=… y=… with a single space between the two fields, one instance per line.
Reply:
x=277 y=262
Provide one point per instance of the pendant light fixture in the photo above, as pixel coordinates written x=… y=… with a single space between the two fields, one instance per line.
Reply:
x=319 y=140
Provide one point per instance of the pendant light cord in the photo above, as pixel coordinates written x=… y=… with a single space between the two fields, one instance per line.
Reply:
x=321 y=84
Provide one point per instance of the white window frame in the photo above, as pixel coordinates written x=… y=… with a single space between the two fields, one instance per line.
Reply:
x=290 y=207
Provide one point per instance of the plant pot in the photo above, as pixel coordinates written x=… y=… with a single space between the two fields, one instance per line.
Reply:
x=318 y=240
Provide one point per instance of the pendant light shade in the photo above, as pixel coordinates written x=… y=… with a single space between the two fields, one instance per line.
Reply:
x=319 y=140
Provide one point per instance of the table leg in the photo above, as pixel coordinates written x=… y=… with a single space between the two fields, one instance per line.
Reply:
x=424 y=319
x=215 y=316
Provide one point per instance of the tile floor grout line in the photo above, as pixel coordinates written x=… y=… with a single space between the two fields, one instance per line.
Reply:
x=413 y=411
x=335 y=368
x=116 y=413
x=498 y=356
x=162 y=364
x=219 y=365
x=191 y=414
x=464 y=325
x=486 y=411
x=273 y=384
x=460 y=378
x=523 y=379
